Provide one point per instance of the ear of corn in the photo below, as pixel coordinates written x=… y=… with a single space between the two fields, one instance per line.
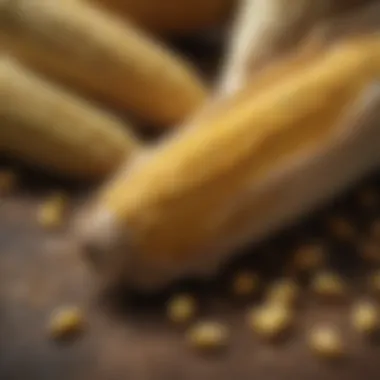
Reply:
x=88 y=49
x=47 y=127
x=172 y=16
x=264 y=30
x=194 y=194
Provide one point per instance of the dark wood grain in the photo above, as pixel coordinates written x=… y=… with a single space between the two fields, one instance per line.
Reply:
x=128 y=337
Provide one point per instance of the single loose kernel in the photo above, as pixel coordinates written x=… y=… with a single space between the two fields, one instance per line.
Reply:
x=66 y=322
x=51 y=213
x=208 y=336
x=245 y=284
x=270 y=321
x=181 y=308
x=284 y=292
x=8 y=180
x=326 y=342
x=365 y=317
x=308 y=257
x=328 y=286
x=342 y=229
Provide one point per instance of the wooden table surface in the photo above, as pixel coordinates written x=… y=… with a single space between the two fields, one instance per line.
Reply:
x=128 y=336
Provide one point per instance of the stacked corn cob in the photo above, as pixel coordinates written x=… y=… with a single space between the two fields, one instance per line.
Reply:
x=242 y=167
x=172 y=16
x=49 y=45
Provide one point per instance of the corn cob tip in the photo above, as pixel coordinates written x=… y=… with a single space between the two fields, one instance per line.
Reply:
x=108 y=247
x=98 y=237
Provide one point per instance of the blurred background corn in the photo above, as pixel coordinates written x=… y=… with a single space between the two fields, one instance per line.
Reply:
x=47 y=127
x=173 y=17
x=102 y=56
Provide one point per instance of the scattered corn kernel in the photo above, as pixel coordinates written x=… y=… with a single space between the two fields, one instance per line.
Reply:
x=8 y=180
x=66 y=322
x=342 y=229
x=208 y=336
x=365 y=317
x=328 y=285
x=326 y=341
x=270 y=321
x=182 y=308
x=284 y=292
x=245 y=284
x=308 y=257
x=51 y=213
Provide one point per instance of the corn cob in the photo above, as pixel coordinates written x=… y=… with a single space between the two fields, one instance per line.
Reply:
x=189 y=204
x=172 y=16
x=262 y=30
x=266 y=29
x=99 y=55
x=45 y=126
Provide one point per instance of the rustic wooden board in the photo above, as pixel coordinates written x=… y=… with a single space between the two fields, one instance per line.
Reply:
x=130 y=338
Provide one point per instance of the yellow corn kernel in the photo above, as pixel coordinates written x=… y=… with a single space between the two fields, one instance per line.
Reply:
x=365 y=317
x=52 y=212
x=47 y=127
x=285 y=292
x=270 y=321
x=326 y=342
x=208 y=336
x=181 y=308
x=328 y=286
x=120 y=65
x=66 y=322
